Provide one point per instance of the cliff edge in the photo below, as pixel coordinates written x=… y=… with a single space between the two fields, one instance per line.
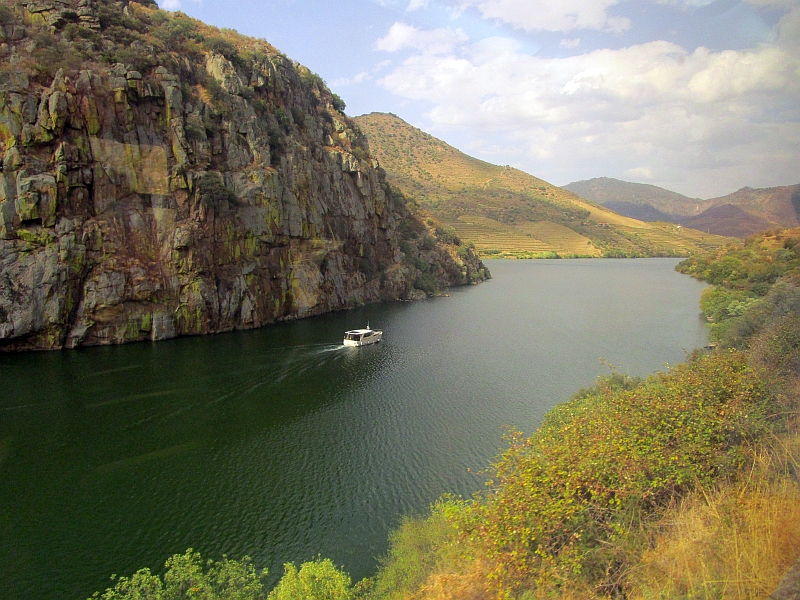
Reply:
x=161 y=177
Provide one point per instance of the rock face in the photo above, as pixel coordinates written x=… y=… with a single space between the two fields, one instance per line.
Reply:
x=189 y=194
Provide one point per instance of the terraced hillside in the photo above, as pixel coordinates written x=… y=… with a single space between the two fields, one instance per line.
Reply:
x=507 y=212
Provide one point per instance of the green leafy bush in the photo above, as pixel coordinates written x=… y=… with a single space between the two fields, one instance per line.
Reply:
x=563 y=502
x=426 y=282
x=187 y=577
x=316 y=580
x=417 y=548
x=338 y=103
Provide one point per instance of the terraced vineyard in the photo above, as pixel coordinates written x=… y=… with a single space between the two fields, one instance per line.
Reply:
x=494 y=238
x=507 y=212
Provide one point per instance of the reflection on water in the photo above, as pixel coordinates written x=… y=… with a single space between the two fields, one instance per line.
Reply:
x=283 y=444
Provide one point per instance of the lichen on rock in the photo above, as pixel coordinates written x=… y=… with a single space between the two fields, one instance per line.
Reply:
x=165 y=178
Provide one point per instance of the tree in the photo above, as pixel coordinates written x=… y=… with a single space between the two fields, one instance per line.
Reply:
x=317 y=580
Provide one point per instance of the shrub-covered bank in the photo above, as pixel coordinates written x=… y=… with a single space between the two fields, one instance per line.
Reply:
x=684 y=485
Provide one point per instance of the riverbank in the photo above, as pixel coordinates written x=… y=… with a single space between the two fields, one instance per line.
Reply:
x=681 y=486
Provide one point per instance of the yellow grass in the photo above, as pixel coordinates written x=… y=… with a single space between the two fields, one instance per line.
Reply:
x=558 y=236
x=539 y=237
x=735 y=542
x=448 y=183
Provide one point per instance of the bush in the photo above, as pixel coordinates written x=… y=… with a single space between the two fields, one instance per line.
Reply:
x=417 y=548
x=224 y=47
x=447 y=235
x=317 y=580
x=7 y=16
x=213 y=192
x=52 y=53
x=564 y=503
x=187 y=577
x=426 y=282
x=338 y=103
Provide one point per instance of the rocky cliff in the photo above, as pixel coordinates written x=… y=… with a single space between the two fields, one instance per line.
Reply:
x=163 y=178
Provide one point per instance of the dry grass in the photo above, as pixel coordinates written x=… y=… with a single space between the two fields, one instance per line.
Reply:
x=450 y=185
x=468 y=584
x=539 y=237
x=565 y=239
x=734 y=542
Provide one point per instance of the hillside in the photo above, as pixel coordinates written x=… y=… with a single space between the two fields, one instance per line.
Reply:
x=629 y=198
x=162 y=177
x=780 y=205
x=504 y=211
x=739 y=214
x=728 y=219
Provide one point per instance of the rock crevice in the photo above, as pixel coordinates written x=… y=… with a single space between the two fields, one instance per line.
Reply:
x=199 y=196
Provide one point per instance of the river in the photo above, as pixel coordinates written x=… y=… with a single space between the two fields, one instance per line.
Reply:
x=283 y=445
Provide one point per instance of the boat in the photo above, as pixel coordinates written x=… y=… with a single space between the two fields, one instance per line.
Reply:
x=362 y=337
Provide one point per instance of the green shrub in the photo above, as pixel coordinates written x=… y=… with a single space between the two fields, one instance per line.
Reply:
x=212 y=190
x=52 y=53
x=564 y=502
x=187 y=577
x=417 y=548
x=317 y=580
x=226 y=48
x=426 y=282
x=447 y=235
x=7 y=16
x=283 y=119
x=338 y=103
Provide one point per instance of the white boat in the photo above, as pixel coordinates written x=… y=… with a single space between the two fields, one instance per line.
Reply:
x=362 y=337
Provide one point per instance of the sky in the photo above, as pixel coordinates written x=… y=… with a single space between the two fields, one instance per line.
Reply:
x=701 y=97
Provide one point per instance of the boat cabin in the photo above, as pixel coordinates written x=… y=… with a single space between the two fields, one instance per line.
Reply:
x=362 y=337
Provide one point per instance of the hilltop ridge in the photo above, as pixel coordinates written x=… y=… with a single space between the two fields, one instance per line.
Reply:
x=739 y=214
x=505 y=211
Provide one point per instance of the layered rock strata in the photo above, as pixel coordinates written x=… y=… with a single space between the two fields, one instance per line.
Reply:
x=206 y=194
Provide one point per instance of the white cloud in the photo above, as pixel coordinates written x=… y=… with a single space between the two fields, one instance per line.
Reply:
x=432 y=41
x=703 y=122
x=552 y=15
x=345 y=81
x=417 y=4
x=173 y=4
x=774 y=3
x=639 y=173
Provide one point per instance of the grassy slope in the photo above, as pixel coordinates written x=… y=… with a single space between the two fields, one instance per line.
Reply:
x=683 y=486
x=679 y=487
x=506 y=211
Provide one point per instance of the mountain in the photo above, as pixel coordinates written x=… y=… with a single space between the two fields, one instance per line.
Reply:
x=504 y=211
x=628 y=198
x=161 y=177
x=756 y=209
x=779 y=205
x=728 y=219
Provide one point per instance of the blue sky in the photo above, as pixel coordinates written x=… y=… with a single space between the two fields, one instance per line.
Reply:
x=700 y=97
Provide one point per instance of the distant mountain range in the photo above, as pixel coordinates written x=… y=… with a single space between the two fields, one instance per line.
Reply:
x=505 y=211
x=739 y=214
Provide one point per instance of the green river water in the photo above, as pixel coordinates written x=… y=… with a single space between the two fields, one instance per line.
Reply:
x=281 y=444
